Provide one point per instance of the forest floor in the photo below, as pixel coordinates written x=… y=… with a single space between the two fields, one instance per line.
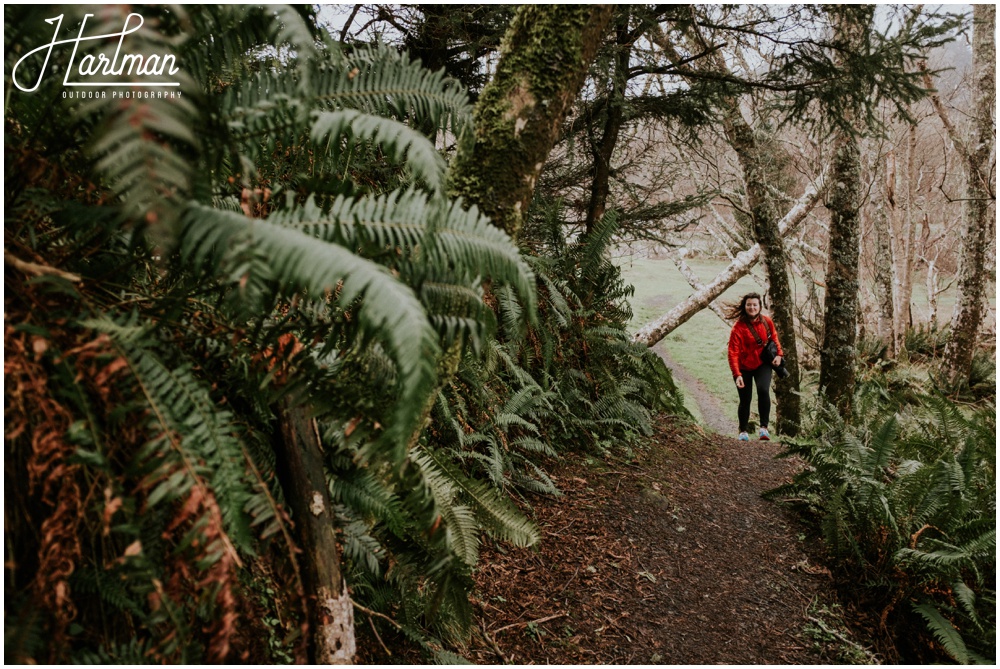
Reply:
x=672 y=557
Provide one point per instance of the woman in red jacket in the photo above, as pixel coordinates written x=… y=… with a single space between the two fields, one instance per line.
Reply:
x=745 y=362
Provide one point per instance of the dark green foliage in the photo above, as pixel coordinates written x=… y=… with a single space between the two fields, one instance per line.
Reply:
x=925 y=342
x=278 y=234
x=981 y=384
x=856 y=69
x=574 y=380
x=871 y=350
x=341 y=300
x=905 y=500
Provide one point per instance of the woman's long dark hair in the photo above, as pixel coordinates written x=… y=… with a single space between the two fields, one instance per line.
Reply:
x=738 y=310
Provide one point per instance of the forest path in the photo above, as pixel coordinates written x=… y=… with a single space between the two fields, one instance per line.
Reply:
x=671 y=558
x=713 y=414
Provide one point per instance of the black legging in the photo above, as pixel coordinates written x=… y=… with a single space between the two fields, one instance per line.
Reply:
x=762 y=377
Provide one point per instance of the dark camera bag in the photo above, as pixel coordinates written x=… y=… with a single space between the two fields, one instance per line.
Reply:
x=769 y=351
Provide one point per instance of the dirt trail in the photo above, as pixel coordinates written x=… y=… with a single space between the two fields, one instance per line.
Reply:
x=673 y=558
x=713 y=415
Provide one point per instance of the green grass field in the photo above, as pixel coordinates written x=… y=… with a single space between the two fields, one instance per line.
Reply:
x=700 y=344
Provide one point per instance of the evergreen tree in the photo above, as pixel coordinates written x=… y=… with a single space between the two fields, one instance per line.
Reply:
x=852 y=26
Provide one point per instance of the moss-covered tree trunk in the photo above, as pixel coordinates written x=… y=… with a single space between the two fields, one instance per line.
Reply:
x=764 y=220
x=543 y=62
x=883 y=272
x=980 y=214
x=905 y=311
x=544 y=59
x=837 y=355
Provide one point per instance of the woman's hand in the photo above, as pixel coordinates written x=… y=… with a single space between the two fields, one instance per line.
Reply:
x=739 y=382
x=777 y=361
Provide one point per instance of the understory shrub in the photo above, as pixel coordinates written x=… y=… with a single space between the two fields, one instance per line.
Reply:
x=925 y=341
x=981 y=385
x=183 y=271
x=905 y=500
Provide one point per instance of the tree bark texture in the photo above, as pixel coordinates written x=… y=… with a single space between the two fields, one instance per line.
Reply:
x=933 y=288
x=883 y=274
x=303 y=479
x=979 y=214
x=544 y=59
x=837 y=351
x=755 y=162
x=904 y=310
x=603 y=150
x=837 y=356
x=764 y=216
x=651 y=333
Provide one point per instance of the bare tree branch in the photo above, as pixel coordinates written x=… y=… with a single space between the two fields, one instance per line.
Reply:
x=655 y=331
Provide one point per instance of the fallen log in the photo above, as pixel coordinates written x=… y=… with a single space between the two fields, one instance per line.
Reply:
x=651 y=333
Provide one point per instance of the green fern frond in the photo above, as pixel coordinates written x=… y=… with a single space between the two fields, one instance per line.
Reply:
x=379 y=81
x=943 y=630
x=596 y=244
x=505 y=421
x=446 y=234
x=498 y=516
x=882 y=447
x=390 y=83
x=289 y=27
x=460 y=522
x=560 y=309
x=140 y=144
x=447 y=657
x=966 y=598
x=365 y=494
x=389 y=309
x=359 y=545
x=534 y=445
x=983 y=546
x=132 y=652
x=404 y=144
x=522 y=401
x=522 y=376
x=106 y=585
x=511 y=313
x=197 y=435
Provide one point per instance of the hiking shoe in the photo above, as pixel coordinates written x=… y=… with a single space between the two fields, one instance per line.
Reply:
x=764 y=434
x=744 y=436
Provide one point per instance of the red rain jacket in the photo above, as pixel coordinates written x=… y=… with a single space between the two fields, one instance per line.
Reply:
x=744 y=351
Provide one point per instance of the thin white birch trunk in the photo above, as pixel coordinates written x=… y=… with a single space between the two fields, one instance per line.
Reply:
x=653 y=332
x=696 y=283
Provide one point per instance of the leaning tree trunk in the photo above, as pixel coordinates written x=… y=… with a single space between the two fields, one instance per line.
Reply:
x=764 y=217
x=654 y=331
x=303 y=480
x=543 y=62
x=979 y=213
